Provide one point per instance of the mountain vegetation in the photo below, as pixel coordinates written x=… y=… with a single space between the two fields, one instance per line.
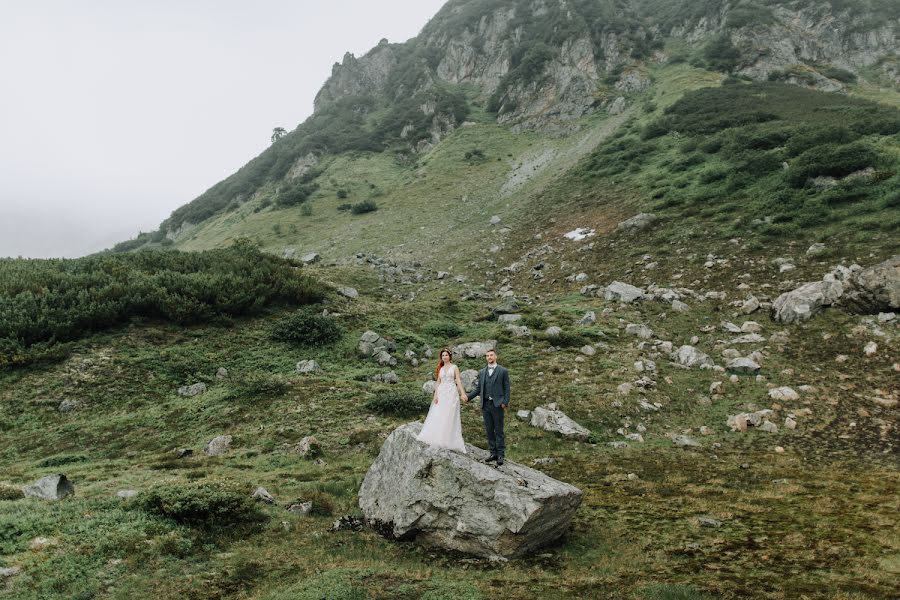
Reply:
x=500 y=178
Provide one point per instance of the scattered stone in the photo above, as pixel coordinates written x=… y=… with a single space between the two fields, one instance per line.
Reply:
x=768 y=427
x=543 y=461
x=783 y=393
x=41 y=542
x=807 y=300
x=183 y=453
x=300 y=508
x=474 y=349
x=452 y=500
x=308 y=447
x=886 y=317
x=263 y=495
x=428 y=388
x=641 y=331
x=817 y=249
x=750 y=338
x=751 y=327
x=221 y=373
x=308 y=366
x=348 y=292
x=638 y=222
x=7 y=572
x=870 y=348
x=389 y=377
x=51 y=487
x=709 y=522
x=683 y=441
x=347 y=523
x=623 y=292
x=624 y=389
x=790 y=423
x=689 y=356
x=634 y=437
x=743 y=366
x=218 y=446
x=68 y=405
x=507 y=307
x=589 y=318
x=716 y=388
x=553 y=331
x=509 y=318
x=127 y=493
x=550 y=418
x=311 y=258
x=523 y=415
x=617 y=444
x=518 y=331
x=750 y=305
x=876 y=289
x=704 y=430
x=679 y=306
x=588 y=350
x=192 y=390
x=495 y=220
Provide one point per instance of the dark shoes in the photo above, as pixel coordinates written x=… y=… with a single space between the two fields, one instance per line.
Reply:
x=500 y=462
x=491 y=458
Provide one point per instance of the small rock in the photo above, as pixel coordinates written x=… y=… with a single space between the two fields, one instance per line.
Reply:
x=308 y=366
x=783 y=393
x=218 y=446
x=523 y=415
x=617 y=444
x=68 y=405
x=495 y=220
x=790 y=423
x=768 y=427
x=588 y=350
x=817 y=249
x=589 y=318
x=743 y=366
x=300 y=508
x=221 y=373
x=348 y=292
x=679 y=306
x=308 y=447
x=6 y=572
x=683 y=441
x=263 y=495
x=709 y=522
x=870 y=349
x=311 y=258
x=641 y=331
x=192 y=390
x=127 y=493
x=553 y=331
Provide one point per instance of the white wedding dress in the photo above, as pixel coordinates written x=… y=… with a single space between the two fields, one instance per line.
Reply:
x=442 y=426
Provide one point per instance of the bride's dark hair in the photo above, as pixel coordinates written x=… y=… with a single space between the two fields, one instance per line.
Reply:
x=437 y=372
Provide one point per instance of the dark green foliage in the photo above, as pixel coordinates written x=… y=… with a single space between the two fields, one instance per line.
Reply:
x=345 y=206
x=44 y=302
x=206 y=505
x=839 y=74
x=475 y=156
x=333 y=584
x=749 y=14
x=444 y=330
x=812 y=136
x=8 y=492
x=322 y=503
x=62 y=459
x=306 y=327
x=366 y=206
x=256 y=385
x=399 y=402
x=831 y=160
x=721 y=54
x=342 y=193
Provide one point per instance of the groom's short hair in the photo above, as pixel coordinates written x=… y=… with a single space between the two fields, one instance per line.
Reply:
x=490 y=350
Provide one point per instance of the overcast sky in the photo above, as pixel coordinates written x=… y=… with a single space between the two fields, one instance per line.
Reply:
x=113 y=113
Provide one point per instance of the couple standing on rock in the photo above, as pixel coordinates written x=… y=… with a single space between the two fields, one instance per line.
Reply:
x=442 y=425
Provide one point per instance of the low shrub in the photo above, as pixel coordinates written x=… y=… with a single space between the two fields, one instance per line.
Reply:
x=443 y=329
x=306 y=327
x=399 y=402
x=366 y=206
x=257 y=385
x=207 y=505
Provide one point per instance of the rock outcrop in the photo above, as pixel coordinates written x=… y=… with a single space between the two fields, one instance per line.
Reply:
x=451 y=500
x=51 y=487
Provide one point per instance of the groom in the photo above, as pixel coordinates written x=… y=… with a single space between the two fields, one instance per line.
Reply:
x=493 y=387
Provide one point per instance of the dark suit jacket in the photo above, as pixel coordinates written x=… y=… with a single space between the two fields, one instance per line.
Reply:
x=496 y=387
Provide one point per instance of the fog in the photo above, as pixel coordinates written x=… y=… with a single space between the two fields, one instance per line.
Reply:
x=114 y=113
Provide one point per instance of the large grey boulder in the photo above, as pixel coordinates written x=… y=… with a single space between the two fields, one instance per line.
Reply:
x=743 y=366
x=308 y=366
x=807 y=300
x=51 y=487
x=876 y=289
x=507 y=307
x=474 y=349
x=554 y=420
x=623 y=292
x=443 y=498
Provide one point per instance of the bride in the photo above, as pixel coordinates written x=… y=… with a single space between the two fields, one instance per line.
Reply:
x=442 y=425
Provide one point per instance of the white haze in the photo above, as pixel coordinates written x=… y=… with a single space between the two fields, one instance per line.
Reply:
x=114 y=113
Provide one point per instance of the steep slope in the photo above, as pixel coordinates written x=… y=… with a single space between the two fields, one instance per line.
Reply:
x=515 y=74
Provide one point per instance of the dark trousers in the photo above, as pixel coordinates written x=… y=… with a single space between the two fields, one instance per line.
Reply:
x=493 y=427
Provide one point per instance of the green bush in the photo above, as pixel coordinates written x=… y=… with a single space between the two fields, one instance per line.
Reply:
x=257 y=385
x=475 y=156
x=306 y=327
x=721 y=54
x=399 y=402
x=8 y=492
x=342 y=193
x=45 y=302
x=207 y=505
x=333 y=584
x=831 y=160
x=344 y=206
x=443 y=329
x=366 y=206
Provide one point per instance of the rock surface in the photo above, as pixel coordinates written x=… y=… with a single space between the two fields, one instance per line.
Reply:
x=219 y=445
x=51 y=487
x=556 y=421
x=452 y=500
